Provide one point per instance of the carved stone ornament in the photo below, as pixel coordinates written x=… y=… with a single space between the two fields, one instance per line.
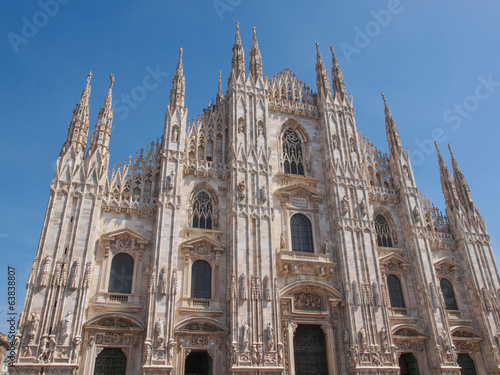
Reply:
x=307 y=301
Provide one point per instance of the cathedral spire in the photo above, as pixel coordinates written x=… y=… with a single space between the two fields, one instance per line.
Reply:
x=238 y=60
x=338 y=79
x=449 y=191
x=462 y=186
x=219 y=91
x=79 y=127
x=391 y=128
x=102 y=132
x=178 y=92
x=322 y=80
x=255 y=57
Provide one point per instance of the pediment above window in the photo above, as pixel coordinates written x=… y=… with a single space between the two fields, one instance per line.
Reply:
x=124 y=239
x=446 y=268
x=202 y=245
x=299 y=195
x=393 y=261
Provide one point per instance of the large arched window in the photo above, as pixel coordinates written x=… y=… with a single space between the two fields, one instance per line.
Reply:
x=293 y=156
x=202 y=211
x=302 y=239
x=395 y=292
x=122 y=270
x=448 y=294
x=384 y=233
x=201 y=276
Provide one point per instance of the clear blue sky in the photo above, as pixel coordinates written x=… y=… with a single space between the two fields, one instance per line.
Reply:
x=429 y=57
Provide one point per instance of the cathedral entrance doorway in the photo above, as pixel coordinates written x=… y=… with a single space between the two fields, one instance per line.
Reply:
x=467 y=364
x=198 y=363
x=408 y=364
x=310 y=350
x=110 y=361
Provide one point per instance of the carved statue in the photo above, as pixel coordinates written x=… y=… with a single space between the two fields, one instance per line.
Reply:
x=384 y=339
x=173 y=284
x=162 y=281
x=77 y=344
x=241 y=189
x=416 y=214
x=263 y=194
x=234 y=354
x=160 y=331
x=355 y=293
x=246 y=336
x=270 y=337
x=260 y=129
x=345 y=205
x=170 y=352
x=51 y=348
x=175 y=135
x=260 y=354
x=282 y=242
x=267 y=289
x=327 y=246
x=42 y=350
x=75 y=275
x=243 y=287
x=65 y=326
x=35 y=324
x=362 y=208
x=255 y=360
x=362 y=339
x=280 y=354
x=376 y=294
x=147 y=352
x=44 y=277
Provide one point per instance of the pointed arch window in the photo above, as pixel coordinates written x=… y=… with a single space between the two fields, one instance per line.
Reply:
x=293 y=155
x=201 y=280
x=384 y=232
x=122 y=271
x=302 y=239
x=395 y=292
x=202 y=211
x=448 y=294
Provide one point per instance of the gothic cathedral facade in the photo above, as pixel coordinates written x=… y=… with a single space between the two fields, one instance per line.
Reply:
x=265 y=236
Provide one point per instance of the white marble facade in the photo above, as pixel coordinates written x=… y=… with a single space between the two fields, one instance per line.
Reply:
x=220 y=190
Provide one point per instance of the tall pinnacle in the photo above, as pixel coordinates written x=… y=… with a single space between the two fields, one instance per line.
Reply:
x=449 y=191
x=462 y=186
x=322 y=80
x=238 y=60
x=219 y=91
x=391 y=129
x=255 y=57
x=79 y=127
x=178 y=92
x=102 y=132
x=338 y=79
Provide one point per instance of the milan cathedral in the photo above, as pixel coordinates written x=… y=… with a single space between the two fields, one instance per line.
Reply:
x=265 y=236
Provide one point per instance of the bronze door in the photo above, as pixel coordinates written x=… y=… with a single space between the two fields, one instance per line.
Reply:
x=111 y=361
x=310 y=350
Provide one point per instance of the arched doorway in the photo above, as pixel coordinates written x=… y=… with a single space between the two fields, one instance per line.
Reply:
x=467 y=364
x=408 y=364
x=110 y=361
x=198 y=363
x=310 y=350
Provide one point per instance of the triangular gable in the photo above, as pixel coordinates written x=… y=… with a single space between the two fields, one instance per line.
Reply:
x=299 y=187
x=111 y=236
x=445 y=263
x=394 y=258
x=192 y=242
